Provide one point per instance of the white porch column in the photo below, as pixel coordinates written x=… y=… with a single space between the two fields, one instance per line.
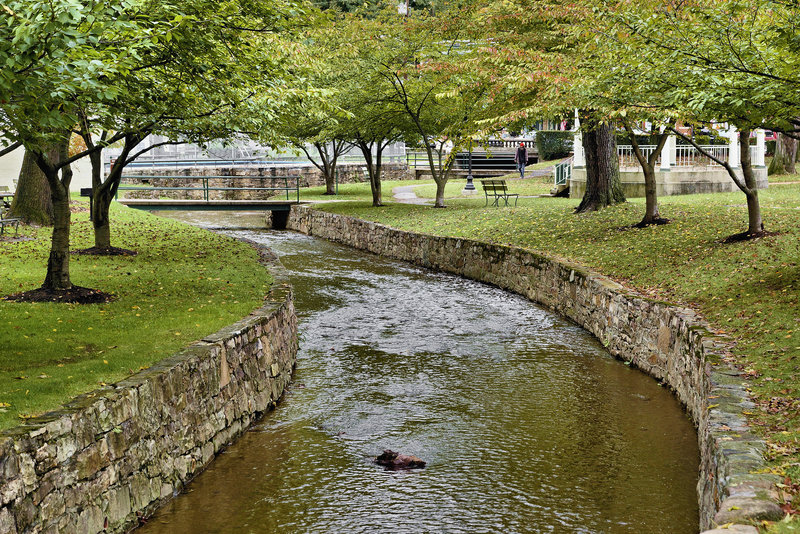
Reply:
x=733 y=148
x=761 y=148
x=578 y=158
x=668 y=156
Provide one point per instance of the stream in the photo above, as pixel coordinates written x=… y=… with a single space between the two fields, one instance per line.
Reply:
x=526 y=423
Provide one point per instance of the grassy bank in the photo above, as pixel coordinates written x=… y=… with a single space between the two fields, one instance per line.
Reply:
x=748 y=290
x=185 y=283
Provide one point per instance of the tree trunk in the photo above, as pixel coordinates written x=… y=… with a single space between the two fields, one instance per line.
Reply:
x=373 y=168
x=57 y=277
x=375 y=179
x=440 y=184
x=101 y=203
x=785 y=155
x=755 y=224
x=648 y=165
x=651 y=214
x=32 y=201
x=102 y=194
x=330 y=180
x=603 y=187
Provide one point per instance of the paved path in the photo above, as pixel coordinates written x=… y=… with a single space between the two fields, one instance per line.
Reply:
x=406 y=194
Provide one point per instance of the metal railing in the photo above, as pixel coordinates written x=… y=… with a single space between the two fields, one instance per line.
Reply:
x=206 y=187
x=282 y=161
x=511 y=142
x=480 y=160
x=562 y=173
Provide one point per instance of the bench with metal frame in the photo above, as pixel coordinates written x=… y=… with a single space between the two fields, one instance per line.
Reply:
x=497 y=189
x=6 y=196
x=8 y=221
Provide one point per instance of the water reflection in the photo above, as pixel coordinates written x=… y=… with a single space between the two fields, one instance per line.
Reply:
x=526 y=423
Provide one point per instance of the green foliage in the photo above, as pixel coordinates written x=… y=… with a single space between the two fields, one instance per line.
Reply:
x=184 y=284
x=554 y=145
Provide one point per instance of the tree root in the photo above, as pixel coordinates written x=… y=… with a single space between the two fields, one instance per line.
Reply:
x=655 y=222
x=746 y=236
x=105 y=251
x=74 y=295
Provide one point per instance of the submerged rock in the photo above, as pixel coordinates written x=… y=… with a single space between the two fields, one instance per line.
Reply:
x=395 y=460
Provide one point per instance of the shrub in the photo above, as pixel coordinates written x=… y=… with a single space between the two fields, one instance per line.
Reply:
x=553 y=145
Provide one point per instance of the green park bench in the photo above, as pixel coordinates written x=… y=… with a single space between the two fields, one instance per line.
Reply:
x=8 y=221
x=497 y=189
x=5 y=204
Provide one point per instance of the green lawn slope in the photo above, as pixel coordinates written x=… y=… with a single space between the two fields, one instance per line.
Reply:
x=185 y=283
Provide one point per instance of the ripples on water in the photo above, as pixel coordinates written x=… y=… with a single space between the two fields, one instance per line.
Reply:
x=526 y=423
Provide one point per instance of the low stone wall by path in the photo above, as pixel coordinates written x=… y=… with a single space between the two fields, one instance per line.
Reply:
x=246 y=176
x=678 y=181
x=111 y=457
x=674 y=345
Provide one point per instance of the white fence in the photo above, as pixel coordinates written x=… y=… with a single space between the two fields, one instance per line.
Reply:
x=684 y=155
x=627 y=157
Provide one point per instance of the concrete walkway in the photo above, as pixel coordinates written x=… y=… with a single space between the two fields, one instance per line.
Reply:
x=406 y=195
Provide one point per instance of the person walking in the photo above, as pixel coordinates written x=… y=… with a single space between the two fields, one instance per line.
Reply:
x=521 y=158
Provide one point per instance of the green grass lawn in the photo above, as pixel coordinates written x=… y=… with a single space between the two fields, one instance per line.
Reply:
x=427 y=188
x=356 y=191
x=525 y=187
x=185 y=283
x=783 y=178
x=748 y=290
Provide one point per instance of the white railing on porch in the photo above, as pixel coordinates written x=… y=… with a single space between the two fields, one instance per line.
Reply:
x=627 y=157
x=689 y=156
x=685 y=155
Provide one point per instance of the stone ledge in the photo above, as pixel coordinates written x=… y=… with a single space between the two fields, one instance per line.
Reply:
x=112 y=456
x=671 y=344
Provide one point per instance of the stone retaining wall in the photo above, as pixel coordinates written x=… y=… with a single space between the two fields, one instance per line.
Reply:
x=112 y=456
x=678 y=181
x=249 y=176
x=671 y=344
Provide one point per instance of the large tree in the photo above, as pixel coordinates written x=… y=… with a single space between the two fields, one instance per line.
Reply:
x=66 y=61
x=744 y=73
x=421 y=68
x=603 y=186
x=354 y=52
x=783 y=162
x=32 y=200
x=56 y=56
x=533 y=59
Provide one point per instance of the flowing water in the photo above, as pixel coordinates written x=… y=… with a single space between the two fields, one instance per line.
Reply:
x=525 y=421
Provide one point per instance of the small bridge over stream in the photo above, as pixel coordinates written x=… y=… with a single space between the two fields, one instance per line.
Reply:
x=212 y=193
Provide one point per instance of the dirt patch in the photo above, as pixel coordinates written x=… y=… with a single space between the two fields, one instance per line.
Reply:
x=104 y=251
x=74 y=295
x=655 y=222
